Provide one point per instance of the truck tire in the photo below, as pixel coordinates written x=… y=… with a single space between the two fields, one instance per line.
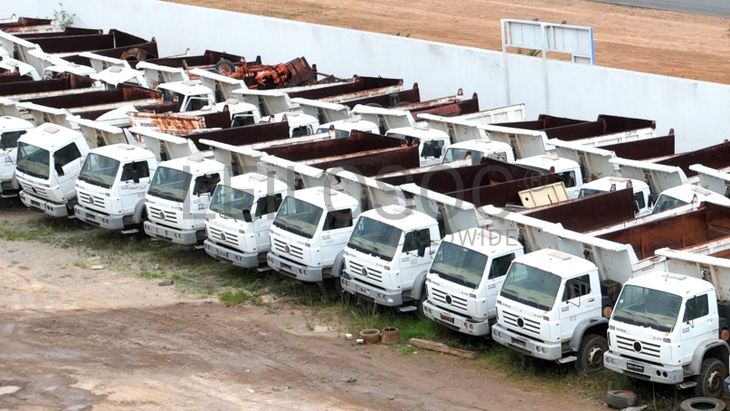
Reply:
x=590 y=354
x=225 y=67
x=711 y=378
x=620 y=399
x=702 y=403
x=419 y=304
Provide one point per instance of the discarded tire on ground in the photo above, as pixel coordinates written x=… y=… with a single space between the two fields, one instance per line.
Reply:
x=391 y=335
x=370 y=335
x=702 y=403
x=620 y=399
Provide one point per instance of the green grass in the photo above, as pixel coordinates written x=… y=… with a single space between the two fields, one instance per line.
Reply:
x=234 y=297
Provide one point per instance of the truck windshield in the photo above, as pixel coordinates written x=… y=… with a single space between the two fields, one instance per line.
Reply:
x=298 y=217
x=375 y=238
x=453 y=154
x=587 y=192
x=531 y=286
x=99 y=170
x=229 y=202
x=33 y=160
x=665 y=202
x=459 y=264
x=338 y=133
x=170 y=96
x=170 y=184
x=646 y=307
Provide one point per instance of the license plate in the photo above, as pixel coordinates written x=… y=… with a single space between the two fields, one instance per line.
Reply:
x=519 y=342
x=287 y=266
x=35 y=203
x=91 y=216
x=634 y=367
x=447 y=318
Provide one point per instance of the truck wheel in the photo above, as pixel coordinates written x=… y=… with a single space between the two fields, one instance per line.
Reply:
x=702 y=403
x=590 y=354
x=710 y=380
x=421 y=300
x=620 y=399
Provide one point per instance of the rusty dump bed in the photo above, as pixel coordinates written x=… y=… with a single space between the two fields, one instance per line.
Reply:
x=709 y=222
x=372 y=163
x=602 y=126
x=24 y=24
x=613 y=207
x=501 y=193
x=390 y=100
x=68 y=31
x=456 y=108
x=644 y=149
x=717 y=156
x=157 y=107
x=208 y=58
x=543 y=122
x=116 y=44
x=240 y=136
x=448 y=180
x=12 y=77
x=65 y=82
x=123 y=93
x=357 y=142
x=359 y=85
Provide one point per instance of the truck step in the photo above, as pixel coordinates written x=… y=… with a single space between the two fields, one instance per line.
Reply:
x=263 y=269
x=130 y=231
x=568 y=359
x=406 y=308
x=5 y=196
x=198 y=246
x=687 y=384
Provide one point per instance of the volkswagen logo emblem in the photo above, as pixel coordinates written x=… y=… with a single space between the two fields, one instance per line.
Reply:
x=520 y=322
x=162 y=215
x=223 y=236
x=364 y=272
x=287 y=249
x=637 y=346
x=448 y=299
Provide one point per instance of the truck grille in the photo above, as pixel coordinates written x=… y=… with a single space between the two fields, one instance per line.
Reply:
x=91 y=200
x=223 y=237
x=440 y=296
x=287 y=249
x=514 y=320
x=366 y=273
x=166 y=216
x=36 y=191
x=644 y=347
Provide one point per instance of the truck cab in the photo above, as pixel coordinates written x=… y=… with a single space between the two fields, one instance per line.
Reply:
x=642 y=194
x=300 y=124
x=343 y=128
x=465 y=277
x=567 y=170
x=48 y=161
x=550 y=307
x=112 y=185
x=178 y=198
x=191 y=94
x=239 y=217
x=311 y=227
x=665 y=328
x=388 y=254
x=475 y=150
x=685 y=194
x=11 y=128
x=431 y=142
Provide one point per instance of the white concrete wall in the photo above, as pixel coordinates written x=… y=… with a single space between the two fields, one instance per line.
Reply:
x=698 y=111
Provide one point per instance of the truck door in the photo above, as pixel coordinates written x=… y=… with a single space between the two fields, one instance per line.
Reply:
x=202 y=191
x=67 y=164
x=495 y=277
x=578 y=301
x=697 y=325
x=266 y=208
x=418 y=251
x=133 y=183
x=335 y=233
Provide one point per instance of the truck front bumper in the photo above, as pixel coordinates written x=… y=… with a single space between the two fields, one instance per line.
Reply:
x=294 y=270
x=44 y=206
x=176 y=235
x=642 y=370
x=456 y=322
x=235 y=257
x=533 y=348
x=98 y=219
x=378 y=295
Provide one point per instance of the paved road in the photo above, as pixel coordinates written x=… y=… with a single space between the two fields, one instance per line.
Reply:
x=719 y=8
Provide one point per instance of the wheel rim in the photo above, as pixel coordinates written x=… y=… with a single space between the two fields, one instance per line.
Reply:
x=714 y=382
x=595 y=357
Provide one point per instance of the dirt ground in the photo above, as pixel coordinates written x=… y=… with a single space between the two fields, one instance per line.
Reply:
x=76 y=338
x=670 y=43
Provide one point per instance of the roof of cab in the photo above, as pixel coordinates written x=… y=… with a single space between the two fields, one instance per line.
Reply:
x=605 y=183
x=124 y=153
x=194 y=164
x=557 y=262
x=686 y=193
x=484 y=241
x=257 y=184
x=546 y=161
x=185 y=87
x=677 y=284
x=420 y=131
x=326 y=198
x=401 y=217
x=50 y=136
x=8 y=123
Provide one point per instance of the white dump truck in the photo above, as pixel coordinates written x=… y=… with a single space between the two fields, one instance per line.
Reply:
x=642 y=197
x=672 y=327
x=48 y=161
x=11 y=128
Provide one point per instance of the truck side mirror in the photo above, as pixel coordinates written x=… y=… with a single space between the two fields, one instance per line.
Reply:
x=247 y=216
x=59 y=169
x=421 y=250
